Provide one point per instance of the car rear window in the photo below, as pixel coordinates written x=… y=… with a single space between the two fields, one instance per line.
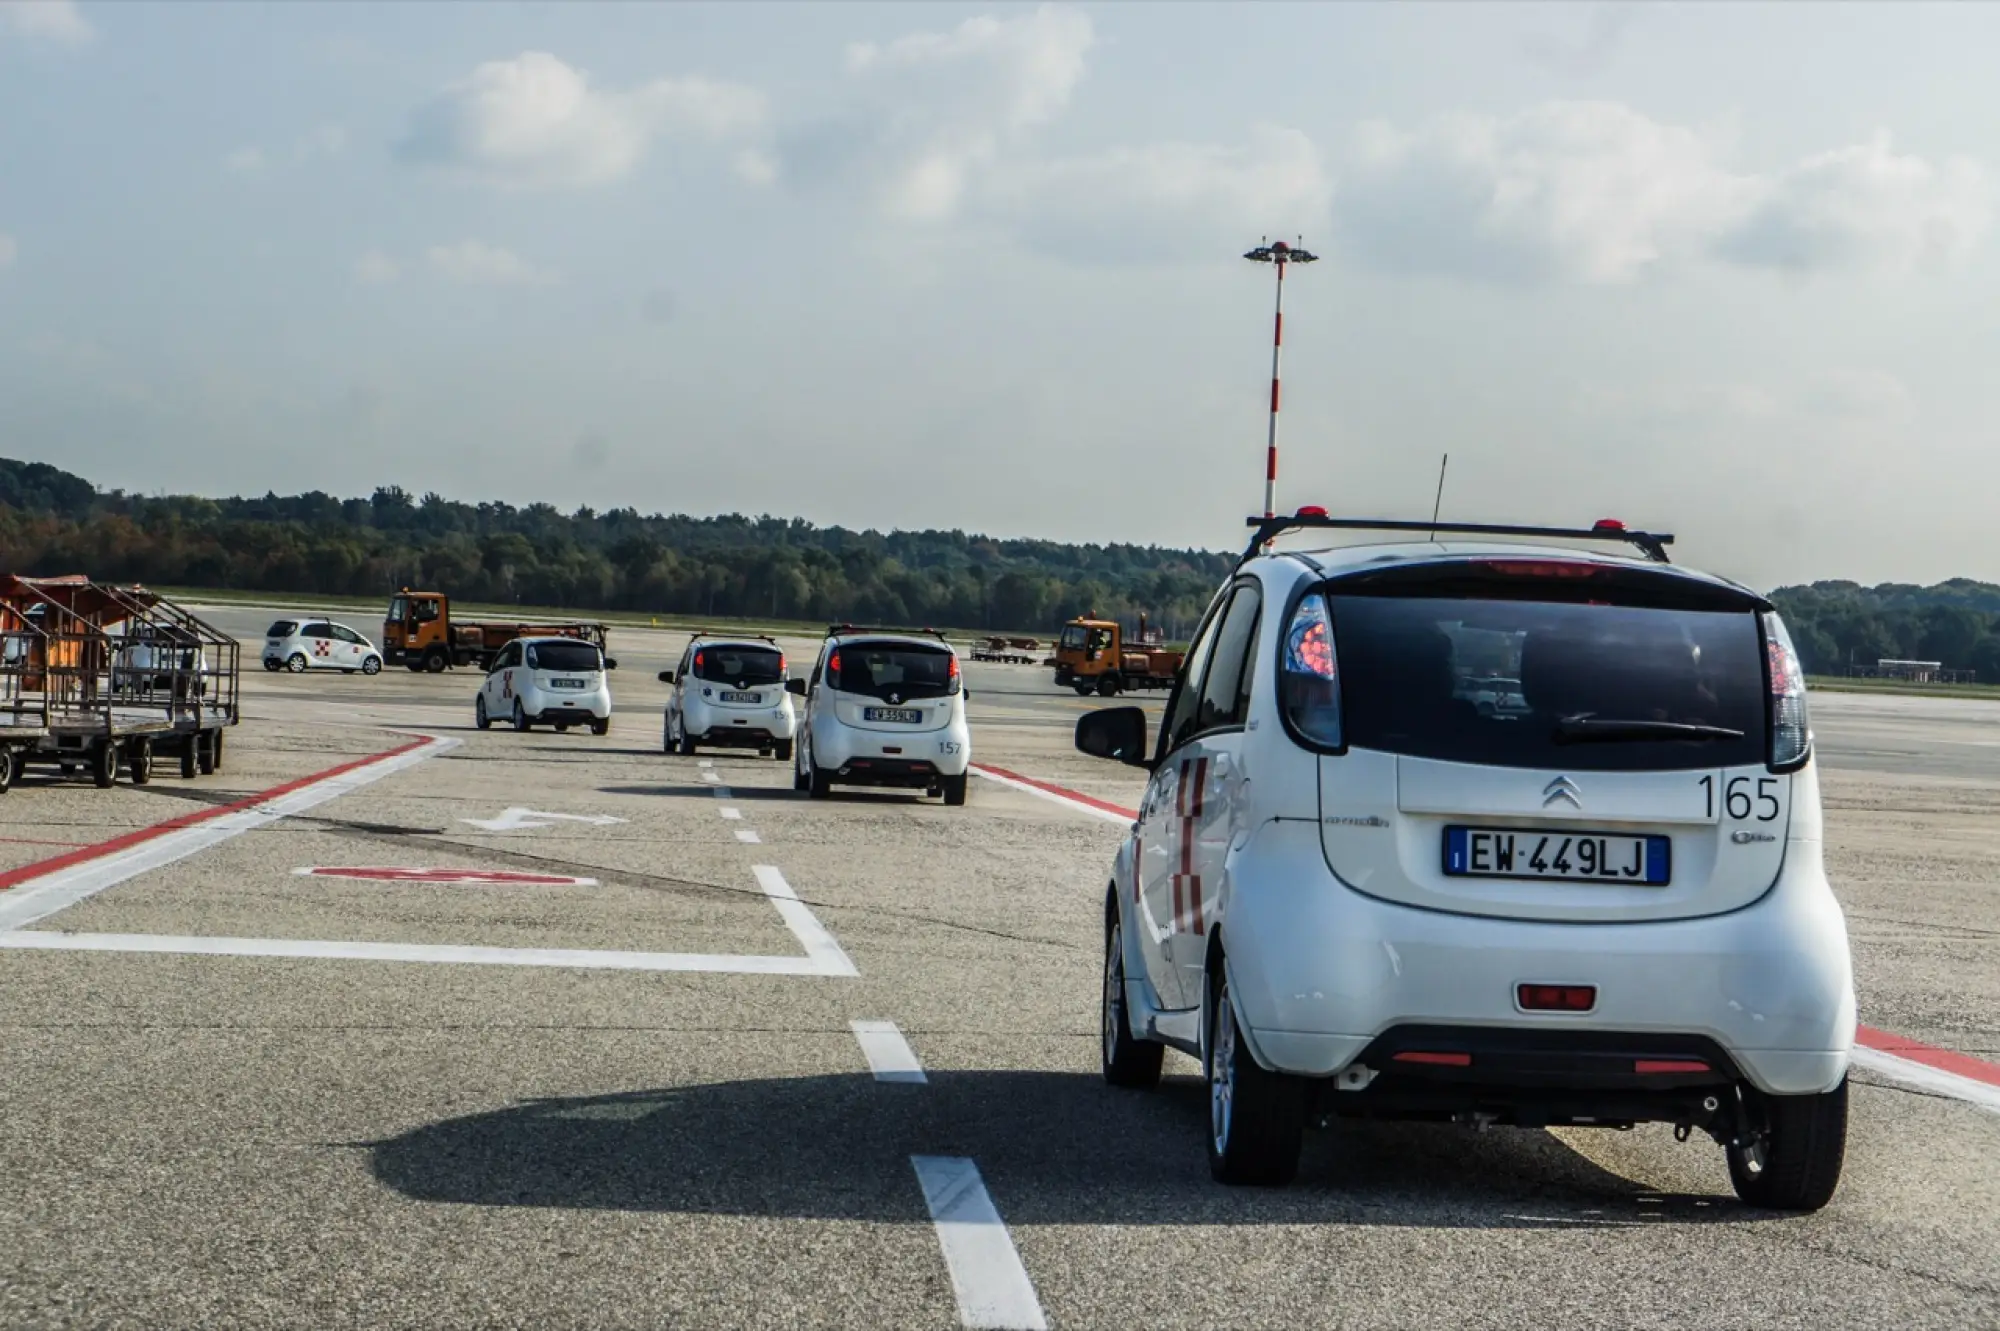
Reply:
x=878 y=669
x=1418 y=675
x=572 y=656
x=284 y=628
x=733 y=663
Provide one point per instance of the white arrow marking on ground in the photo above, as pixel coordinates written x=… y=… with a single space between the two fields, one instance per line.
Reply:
x=514 y=819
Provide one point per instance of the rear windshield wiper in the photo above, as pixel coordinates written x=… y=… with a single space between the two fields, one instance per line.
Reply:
x=1601 y=730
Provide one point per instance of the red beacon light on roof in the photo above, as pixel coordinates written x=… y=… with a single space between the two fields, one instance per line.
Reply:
x=1608 y=524
x=1311 y=511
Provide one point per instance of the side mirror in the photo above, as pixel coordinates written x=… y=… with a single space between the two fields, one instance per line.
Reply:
x=610 y=663
x=666 y=677
x=1117 y=733
x=797 y=686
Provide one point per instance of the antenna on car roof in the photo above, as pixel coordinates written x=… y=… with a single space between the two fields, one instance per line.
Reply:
x=1438 y=505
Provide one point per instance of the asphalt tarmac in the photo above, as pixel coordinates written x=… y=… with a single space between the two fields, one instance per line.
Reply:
x=414 y=1100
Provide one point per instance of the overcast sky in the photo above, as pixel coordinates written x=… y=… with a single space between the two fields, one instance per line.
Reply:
x=1725 y=270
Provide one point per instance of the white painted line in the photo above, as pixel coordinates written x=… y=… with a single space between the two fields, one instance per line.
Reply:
x=733 y=815
x=704 y=762
x=1074 y=806
x=711 y=775
x=986 y=1273
x=748 y=837
x=1925 y=1077
x=584 y=958
x=38 y=898
x=516 y=818
x=805 y=926
x=721 y=792
x=889 y=1055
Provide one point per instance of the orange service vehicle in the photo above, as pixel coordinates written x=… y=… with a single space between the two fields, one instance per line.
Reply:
x=1094 y=655
x=419 y=632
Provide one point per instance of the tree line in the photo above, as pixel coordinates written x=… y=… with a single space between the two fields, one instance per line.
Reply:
x=1838 y=626
x=619 y=559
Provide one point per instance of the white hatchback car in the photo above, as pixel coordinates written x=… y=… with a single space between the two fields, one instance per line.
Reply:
x=1350 y=892
x=556 y=682
x=299 y=645
x=729 y=693
x=884 y=707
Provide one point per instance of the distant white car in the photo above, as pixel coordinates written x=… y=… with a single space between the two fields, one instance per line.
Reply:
x=1353 y=893
x=318 y=644
x=555 y=682
x=729 y=693
x=884 y=707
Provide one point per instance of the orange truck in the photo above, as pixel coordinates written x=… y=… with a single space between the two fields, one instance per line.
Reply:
x=419 y=632
x=1094 y=655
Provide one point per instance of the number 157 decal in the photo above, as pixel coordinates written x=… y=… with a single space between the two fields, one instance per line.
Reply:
x=948 y=747
x=1740 y=799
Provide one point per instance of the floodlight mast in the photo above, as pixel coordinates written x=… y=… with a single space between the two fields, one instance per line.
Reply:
x=1280 y=256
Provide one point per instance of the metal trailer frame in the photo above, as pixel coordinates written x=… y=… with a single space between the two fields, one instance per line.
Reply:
x=109 y=676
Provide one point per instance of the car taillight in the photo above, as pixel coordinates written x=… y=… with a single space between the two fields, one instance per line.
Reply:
x=1791 y=731
x=951 y=675
x=833 y=670
x=697 y=660
x=1310 y=678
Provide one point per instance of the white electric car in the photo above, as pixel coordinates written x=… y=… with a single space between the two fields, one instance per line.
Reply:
x=547 y=682
x=884 y=707
x=318 y=644
x=1352 y=892
x=729 y=693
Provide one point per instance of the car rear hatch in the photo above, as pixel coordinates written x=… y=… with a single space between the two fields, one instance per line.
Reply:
x=565 y=667
x=893 y=686
x=1642 y=778
x=740 y=676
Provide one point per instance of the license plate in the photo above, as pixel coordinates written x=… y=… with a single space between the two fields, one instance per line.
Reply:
x=904 y=715
x=742 y=697
x=565 y=683
x=1583 y=857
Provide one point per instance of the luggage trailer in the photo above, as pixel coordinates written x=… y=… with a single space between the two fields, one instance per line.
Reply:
x=98 y=678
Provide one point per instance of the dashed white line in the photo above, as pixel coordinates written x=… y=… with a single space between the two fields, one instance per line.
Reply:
x=711 y=775
x=733 y=815
x=748 y=837
x=704 y=762
x=805 y=926
x=889 y=1055
x=991 y=1285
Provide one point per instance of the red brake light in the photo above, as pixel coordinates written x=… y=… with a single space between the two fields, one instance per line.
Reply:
x=1434 y=1059
x=1556 y=997
x=833 y=663
x=697 y=660
x=1667 y=1066
x=951 y=671
x=1541 y=568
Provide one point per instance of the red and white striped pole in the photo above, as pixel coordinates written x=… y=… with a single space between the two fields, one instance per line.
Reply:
x=1281 y=256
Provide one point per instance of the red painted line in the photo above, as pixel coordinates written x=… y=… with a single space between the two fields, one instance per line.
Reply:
x=1945 y=1060
x=15 y=877
x=1066 y=793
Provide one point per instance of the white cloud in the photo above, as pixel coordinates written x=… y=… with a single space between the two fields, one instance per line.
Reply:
x=477 y=263
x=9 y=250
x=1599 y=193
x=933 y=113
x=245 y=160
x=536 y=122
x=53 y=20
x=376 y=268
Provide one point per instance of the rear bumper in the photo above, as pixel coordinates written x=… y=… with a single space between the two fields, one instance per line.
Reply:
x=550 y=707
x=722 y=725
x=877 y=755
x=1321 y=972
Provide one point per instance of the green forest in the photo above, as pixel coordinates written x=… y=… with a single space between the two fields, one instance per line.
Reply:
x=732 y=565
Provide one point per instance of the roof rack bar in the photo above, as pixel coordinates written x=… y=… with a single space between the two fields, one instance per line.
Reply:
x=834 y=630
x=1653 y=544
x=732 y=637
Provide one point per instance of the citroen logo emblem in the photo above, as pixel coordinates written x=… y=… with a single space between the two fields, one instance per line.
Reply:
x=1562 y=788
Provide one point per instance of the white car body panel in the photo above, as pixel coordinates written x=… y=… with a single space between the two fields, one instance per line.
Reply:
x=322 y=650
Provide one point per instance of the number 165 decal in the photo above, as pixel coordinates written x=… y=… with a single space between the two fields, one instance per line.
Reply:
x=1740 y=800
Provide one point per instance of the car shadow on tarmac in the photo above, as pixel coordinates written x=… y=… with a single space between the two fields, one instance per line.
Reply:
x=1056 y=1148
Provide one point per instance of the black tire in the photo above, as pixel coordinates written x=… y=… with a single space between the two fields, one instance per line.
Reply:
x=139 y=762
x=103 y=763
x=435 y=660
x=1082 y=690
x=207 y=752
x=521 y=721
x=666 y=736
x=372 y=666
x=821 y=784
x=10 y=767
x=954 y=789
x=686 y=746
x=801 y=780
x=190 y=757
x=601 y=727
x=1107 y=686
x=274 y=666
x=479 y=716
x=297 y=663
x=1793 y=1151
x=782 y=750
x=1127 y=1061
x=1256 y=1119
